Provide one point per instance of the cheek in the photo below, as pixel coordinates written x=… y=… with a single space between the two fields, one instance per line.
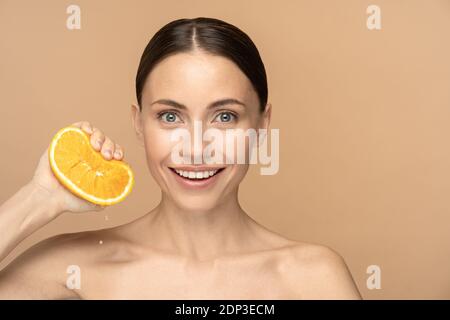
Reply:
x=240 y=146
x=158 y=144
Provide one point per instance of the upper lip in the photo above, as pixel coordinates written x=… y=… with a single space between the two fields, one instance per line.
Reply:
x=197 y=168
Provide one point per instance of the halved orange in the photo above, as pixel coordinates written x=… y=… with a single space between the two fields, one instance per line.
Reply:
x=84 y=171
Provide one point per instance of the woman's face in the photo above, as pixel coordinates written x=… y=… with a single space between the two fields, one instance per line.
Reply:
x=178 y=92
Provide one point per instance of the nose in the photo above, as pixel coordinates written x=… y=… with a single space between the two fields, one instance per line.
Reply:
x=197 y=142
x=189 y=144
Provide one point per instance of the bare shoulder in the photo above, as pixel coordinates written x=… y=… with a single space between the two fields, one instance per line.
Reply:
x=41 y=271
x=318 y=272
x=311 y=271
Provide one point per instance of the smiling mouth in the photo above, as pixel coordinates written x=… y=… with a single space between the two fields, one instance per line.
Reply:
x=191 y=175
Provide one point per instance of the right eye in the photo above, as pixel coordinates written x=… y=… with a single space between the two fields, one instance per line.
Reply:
x=169 y=117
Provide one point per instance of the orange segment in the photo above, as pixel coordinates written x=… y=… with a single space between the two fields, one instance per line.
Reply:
x=84 y=171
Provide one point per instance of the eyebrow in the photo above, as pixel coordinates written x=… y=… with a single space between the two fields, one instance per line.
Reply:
x=212 y=105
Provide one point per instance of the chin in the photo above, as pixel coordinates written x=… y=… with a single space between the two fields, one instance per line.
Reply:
x=196 y=203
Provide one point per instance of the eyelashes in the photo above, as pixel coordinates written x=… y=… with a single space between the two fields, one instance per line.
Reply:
x=173 y=117
x=164 y=116
x=232 y=115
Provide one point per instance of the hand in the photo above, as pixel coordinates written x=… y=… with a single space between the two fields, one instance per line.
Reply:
x=46 y=182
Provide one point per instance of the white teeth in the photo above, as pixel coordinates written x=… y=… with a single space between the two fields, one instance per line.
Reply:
x=196 y=174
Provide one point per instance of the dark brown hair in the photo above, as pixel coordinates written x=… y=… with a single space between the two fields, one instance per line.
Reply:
x=211 y=35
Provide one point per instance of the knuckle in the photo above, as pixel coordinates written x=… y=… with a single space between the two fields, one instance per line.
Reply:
x=87 y=128
x=109 y=142
x=99 y=135
x=118 y=151
x=108 y=145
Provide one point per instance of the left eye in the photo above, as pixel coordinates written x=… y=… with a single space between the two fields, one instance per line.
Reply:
x=225 y=117
x=169 y=117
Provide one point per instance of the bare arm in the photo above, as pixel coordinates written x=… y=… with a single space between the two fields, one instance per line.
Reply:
x=36 y=274
x=41 y=271
x=25 y=212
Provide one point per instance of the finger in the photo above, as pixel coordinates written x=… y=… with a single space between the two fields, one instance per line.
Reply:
x=118 y=153
x=108 y=148
x=86 y=126
x=97 y=139
x=79 y=124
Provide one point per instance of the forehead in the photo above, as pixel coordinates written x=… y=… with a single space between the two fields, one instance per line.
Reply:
x=197 y=78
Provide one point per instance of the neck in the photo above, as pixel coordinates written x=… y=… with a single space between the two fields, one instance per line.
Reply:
x=201 y=235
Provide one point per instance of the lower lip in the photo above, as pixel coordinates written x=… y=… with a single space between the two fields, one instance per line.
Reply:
x=196 y=184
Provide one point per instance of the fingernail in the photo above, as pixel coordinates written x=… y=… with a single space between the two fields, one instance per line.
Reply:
x=108 y=153
x=117 y=154
x=98 y=143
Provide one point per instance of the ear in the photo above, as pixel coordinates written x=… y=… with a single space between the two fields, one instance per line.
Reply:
x=267 y=113
x=265 y=121
x=136 y=121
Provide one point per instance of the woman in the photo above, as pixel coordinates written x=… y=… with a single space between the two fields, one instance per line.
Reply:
x=198 y=243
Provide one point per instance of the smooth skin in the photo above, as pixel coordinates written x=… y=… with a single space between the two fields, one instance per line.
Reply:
x=195 y=244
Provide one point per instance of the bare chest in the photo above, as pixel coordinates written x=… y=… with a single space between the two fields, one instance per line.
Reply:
x=159 y=279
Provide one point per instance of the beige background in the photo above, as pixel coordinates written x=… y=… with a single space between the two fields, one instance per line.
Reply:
x=363 y=117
